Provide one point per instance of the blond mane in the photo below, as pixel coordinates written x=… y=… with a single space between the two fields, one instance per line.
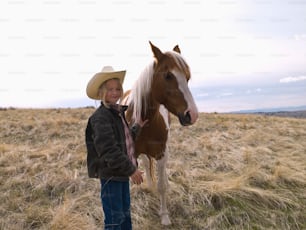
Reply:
x=140 y=92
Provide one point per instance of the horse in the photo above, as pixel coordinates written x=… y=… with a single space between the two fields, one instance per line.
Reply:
x=162 y=87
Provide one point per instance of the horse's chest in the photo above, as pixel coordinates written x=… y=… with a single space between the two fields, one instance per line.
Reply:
x=152 y=140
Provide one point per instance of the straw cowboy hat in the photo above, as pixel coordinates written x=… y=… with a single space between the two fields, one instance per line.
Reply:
x=98 y=79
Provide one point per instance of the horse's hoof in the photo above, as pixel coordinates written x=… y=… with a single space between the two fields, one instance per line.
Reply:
x=165 y=220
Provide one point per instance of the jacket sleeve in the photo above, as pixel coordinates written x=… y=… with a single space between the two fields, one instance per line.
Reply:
x=92 y=157
x=107 y=147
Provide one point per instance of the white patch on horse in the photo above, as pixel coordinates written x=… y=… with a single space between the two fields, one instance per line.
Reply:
x=183 y=86
x=162 y=186
x=165 y=114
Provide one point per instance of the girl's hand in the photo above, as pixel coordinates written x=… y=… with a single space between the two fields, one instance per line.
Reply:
x=137 y=177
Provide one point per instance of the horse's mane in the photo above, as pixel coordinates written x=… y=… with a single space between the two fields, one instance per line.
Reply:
x=140 y=91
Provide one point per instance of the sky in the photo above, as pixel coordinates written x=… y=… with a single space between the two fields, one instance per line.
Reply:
x=243 y=54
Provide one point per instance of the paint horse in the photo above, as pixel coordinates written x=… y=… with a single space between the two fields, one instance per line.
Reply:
x=161 y=88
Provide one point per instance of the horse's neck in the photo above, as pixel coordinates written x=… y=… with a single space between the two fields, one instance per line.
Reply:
x=149 y=111
x=152 y=109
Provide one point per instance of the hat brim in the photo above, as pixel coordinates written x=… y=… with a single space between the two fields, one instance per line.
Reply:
x=98 y=79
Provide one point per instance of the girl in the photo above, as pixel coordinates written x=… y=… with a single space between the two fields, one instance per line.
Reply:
x=110 y=148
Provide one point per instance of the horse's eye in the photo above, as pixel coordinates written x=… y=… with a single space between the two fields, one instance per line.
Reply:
x=169 y=76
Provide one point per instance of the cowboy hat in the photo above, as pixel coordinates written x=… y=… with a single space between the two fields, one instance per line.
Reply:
x=98 y=79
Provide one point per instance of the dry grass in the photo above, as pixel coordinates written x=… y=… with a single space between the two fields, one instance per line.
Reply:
x=225 y=172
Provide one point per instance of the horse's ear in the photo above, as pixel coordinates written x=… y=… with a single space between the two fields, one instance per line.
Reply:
x=156 y=51
x=177 y=49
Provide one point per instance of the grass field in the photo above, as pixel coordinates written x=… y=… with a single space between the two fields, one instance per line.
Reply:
x=225 y=172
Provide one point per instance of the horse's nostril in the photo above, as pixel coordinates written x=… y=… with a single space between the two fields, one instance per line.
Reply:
x=187 y=118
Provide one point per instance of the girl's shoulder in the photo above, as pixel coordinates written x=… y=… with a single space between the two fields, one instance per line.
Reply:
x=100 y=113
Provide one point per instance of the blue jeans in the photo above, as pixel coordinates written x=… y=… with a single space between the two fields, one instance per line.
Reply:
x=115 y=196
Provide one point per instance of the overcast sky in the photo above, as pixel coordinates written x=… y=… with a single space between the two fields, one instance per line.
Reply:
x=49 y=49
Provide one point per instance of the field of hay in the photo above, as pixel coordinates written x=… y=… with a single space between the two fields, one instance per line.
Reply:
x=225 y=172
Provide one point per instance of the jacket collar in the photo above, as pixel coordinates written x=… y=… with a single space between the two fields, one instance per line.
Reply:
x=117 y=108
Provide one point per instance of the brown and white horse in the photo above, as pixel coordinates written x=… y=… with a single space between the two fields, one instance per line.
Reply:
x=161 y=87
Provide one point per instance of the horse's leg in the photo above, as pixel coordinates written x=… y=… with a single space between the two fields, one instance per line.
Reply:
x=146 y=163
x=162 y=185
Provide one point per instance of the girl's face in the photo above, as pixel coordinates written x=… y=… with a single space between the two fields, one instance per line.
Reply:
x=113 y=91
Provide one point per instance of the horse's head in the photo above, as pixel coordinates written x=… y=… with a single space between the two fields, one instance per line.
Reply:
x=170 y=85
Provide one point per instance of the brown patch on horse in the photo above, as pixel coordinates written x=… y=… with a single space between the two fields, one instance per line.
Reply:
x=153 y=138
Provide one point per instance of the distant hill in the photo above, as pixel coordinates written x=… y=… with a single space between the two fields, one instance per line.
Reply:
x=297 y=112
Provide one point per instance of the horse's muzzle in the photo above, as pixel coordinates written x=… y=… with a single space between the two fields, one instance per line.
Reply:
x=185 y=119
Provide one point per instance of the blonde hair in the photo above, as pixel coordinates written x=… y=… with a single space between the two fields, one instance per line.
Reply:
x=103 y=90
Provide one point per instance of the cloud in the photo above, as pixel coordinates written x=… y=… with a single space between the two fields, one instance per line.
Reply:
x=257 y=90
x=226 y=94
x=292 y=79
x=202 y=95
x=300 y=37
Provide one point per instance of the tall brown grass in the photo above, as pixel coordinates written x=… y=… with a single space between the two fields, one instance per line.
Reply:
x=225 y=172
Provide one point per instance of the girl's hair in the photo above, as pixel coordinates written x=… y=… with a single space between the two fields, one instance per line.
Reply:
x=103 y=90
